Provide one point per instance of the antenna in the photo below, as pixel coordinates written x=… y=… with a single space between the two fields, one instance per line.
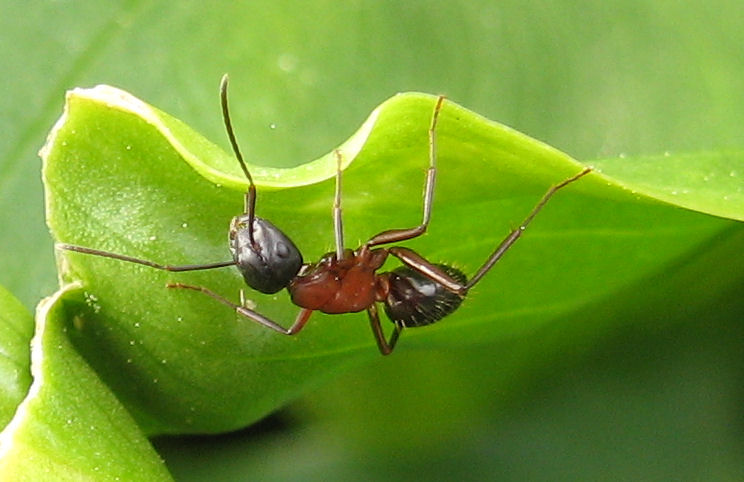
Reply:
x=250 y=195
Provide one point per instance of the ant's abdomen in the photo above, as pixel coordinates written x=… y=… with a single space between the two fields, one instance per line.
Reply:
x=416 y=300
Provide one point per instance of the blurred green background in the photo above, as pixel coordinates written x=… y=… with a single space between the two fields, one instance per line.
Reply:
x=594 y=79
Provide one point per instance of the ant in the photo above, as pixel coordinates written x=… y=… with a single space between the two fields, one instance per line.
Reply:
x=415 y=294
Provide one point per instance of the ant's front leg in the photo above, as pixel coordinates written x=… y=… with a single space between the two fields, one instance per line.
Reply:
x=298 y=324
x=386 y=346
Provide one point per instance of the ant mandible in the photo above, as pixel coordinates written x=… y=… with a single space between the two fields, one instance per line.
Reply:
x=415 y=294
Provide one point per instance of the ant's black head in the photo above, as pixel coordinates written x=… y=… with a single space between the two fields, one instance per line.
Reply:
x=263 y=254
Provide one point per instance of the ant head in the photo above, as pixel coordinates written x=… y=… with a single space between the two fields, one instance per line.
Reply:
x=263 y=254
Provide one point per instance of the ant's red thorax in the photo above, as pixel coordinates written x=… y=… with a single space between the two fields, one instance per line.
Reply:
x=337 y=286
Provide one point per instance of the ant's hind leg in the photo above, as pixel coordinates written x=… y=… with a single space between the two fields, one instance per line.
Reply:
x=512 y=237
x=298 y=324
x=398 y=235
x=417 y=262
x=386 y=346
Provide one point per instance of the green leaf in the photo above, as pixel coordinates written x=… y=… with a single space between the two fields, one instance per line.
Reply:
x=16 y=329
x=709 y=182
x=69 y=426
x=123 y=177
x=595 y=79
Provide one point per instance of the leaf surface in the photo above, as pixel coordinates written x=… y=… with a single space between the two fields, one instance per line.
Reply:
x=124 y=177
x=69 y=425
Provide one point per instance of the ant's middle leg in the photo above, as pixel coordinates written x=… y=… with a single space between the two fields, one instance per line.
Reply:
x=338 y=224
x=398 y=235
x=298 y=324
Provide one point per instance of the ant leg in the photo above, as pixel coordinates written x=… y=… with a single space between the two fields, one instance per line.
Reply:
x=298 y=324
x=121 y=257
x=386 y=346
x=398 y=235
x=338 y=225
x=512 y=238
x=245 y=302
x=417 y=262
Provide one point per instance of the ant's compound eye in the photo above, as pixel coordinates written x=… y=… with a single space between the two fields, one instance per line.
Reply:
x=282 y=250
x=268 y=261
